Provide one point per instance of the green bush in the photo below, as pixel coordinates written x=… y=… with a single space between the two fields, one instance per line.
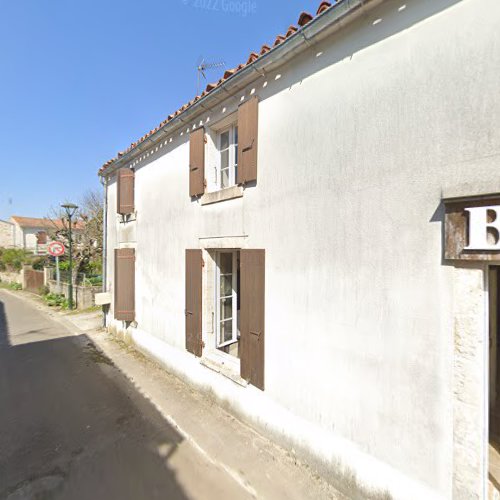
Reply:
x=93 y=281
x=94 y=267
x=14 y=258
x=64 y=265
x=56 y=300
x=53 y=299
x=43 y=290
x=39 y=263
x=15 y=286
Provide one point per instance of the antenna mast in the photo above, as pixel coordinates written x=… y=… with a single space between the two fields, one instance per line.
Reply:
x=202 y=67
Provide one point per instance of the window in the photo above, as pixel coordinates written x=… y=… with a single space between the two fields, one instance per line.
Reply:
x=41 y=237
x=232 y=295
x=125 y=191
x=228 y=157
x=227 y=301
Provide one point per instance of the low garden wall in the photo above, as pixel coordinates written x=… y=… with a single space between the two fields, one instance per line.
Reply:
x=83 y=296
x=10 y=277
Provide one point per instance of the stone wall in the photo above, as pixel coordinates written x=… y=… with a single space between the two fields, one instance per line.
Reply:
x=8 y=277
x=83 y=296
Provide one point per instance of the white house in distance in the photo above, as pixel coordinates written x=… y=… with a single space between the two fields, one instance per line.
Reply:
x=314 y=240
x=30 y=233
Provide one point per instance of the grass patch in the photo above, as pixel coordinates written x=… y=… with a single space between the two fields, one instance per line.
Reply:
x=83 y=311
x=11 y=285
x=56 y=300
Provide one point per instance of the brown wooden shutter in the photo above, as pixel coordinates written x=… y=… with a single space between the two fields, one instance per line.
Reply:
x=125 y=284
x=248 y=121
x=125 y=191
x=194 y=268
x=197 y=162
x=41 y=237
x=252 y=300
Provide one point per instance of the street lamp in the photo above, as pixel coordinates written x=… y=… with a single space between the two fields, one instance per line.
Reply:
x=70 y=209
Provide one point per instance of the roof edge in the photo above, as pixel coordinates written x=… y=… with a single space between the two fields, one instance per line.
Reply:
x=327 y=21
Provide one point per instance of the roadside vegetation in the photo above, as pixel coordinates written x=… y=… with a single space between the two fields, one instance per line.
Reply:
x=55 y=300
x=86 y=252
x=13 y=259
x=87 y=243
x=10 y=285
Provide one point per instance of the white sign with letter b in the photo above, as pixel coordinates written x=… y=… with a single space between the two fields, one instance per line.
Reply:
x=481 y=229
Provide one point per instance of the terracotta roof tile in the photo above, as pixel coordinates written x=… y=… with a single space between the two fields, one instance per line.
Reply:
x=43 y=223
x=322 y=7
x=304 y=18
x=279 y=39
x=264 y=49
x=253 y=57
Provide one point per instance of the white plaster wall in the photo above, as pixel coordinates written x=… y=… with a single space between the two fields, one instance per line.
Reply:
x=26 y=237
x=470 y=338
x=29 y=237
x=358 y=142
x=6 y=234
x=111 y=239
x=18 y=236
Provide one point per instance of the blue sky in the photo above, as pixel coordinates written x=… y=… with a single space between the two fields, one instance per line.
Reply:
x=80 y=81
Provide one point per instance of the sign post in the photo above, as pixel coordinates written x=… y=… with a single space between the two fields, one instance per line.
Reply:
x=58 y=274
x=56 y=249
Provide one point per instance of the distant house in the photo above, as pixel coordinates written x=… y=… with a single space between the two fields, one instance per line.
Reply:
x=33 y=234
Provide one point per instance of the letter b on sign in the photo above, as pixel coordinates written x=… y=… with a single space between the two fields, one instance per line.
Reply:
x=484 y=228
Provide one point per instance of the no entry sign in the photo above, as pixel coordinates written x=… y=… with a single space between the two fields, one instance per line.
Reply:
x=56 y=249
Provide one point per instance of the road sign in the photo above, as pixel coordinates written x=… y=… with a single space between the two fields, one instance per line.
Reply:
x=56 y=249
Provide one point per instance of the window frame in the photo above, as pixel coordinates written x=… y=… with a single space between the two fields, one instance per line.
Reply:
x=234 y=298
x=232 y=156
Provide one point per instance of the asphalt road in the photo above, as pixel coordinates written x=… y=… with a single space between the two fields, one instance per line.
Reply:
x=72 y=426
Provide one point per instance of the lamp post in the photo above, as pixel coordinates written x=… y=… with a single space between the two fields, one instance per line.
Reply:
x=70 y=209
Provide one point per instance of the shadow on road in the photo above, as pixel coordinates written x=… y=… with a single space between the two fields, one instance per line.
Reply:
x=71 y=424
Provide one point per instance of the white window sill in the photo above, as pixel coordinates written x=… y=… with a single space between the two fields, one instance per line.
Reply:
x=229 y=193
x=225 y=364
x=124 y=219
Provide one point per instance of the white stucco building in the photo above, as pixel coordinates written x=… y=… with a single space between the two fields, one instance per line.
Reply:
x=31 y=233
x=295 y=241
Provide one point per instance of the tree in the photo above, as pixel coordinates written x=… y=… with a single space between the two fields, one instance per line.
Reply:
x=87 y=225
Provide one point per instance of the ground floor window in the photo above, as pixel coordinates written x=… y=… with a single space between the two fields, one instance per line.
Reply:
x=225 y=309
x=227 y=303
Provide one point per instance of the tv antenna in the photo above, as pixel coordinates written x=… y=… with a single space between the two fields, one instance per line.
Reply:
x=203 y=66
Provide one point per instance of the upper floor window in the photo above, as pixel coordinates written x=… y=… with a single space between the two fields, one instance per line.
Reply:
x=228 y=157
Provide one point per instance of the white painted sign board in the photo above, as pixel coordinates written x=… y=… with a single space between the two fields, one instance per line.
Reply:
x=484 y=228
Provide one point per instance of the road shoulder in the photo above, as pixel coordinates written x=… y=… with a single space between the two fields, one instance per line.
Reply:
x=262 y=468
